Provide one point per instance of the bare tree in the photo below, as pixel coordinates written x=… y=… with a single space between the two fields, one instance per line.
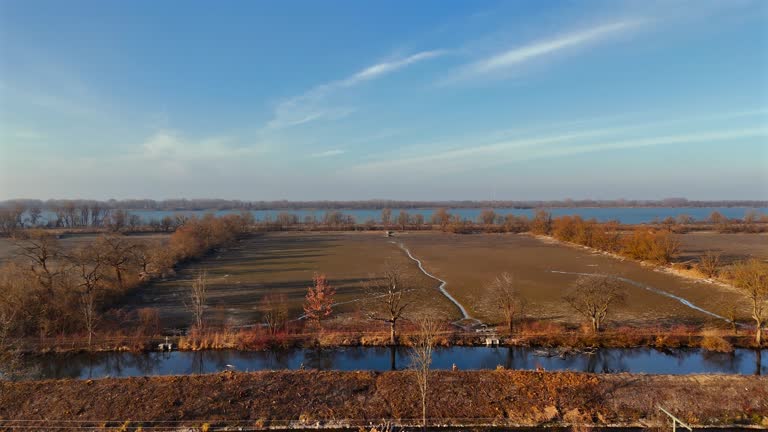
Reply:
x=542 y=222
x=116 y=252
x=717 y=218
x=386 y=217
x=147 y=256
x=10 y=310
x=441 y=217
x=421 y=358
x=388 y=292
x=505 y=292
x=275 y=308
x=40 y=249
x=592 y=297
x=198 y=294
x=487 y=217
x=403 y=218
x=418 y=220
x=730 y=311
x=318 y=304
x=751 y=278
x=88 y=269
x=7 y=222
x=684 y=219
x=709 y=264
x=34 y=215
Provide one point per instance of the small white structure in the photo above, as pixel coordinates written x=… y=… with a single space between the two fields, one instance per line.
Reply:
x=492 y=340
x=166 y=346
x=387 y=233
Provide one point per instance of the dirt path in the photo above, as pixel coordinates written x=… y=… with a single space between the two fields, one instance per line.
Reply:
x=465 y=317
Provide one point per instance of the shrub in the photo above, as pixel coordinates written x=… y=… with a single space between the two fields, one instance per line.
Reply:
x=714 y=342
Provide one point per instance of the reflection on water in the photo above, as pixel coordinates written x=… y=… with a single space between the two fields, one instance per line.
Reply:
x=640 y=360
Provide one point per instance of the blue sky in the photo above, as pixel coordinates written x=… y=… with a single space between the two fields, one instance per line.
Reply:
x=405 y=100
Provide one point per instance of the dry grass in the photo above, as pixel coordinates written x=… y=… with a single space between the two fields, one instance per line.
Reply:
x=499 y=397
x=712 y=340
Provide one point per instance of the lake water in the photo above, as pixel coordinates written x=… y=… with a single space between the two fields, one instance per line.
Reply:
x=640 y=360
x=627 y=215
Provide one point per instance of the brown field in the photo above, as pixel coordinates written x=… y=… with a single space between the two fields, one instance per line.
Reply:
x=469 y=262
x=351 y=399
x=732 y=247
x=284 y=263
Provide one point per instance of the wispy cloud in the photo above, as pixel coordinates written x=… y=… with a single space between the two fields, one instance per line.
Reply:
x=328 y=153
x=384 y=68
x=553 y=146
x=709 y=136
x=502 y=61
x=313 y=104
x=167 y=144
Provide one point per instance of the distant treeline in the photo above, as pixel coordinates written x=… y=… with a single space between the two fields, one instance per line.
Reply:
x=219 y=204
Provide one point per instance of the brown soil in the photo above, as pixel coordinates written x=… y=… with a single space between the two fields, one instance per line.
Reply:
x=732 y=247
x=283 y=263
x=499 y=397
x=469 y=262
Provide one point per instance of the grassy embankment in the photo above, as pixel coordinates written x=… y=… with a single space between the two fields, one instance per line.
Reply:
x=351 y=399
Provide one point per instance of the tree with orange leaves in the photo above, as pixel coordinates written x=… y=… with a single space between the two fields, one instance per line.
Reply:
x=319 y=299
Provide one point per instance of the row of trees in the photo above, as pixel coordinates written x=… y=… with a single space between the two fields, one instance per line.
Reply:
x=183 y=204
x=48 y=289
x=648 y=244
x=121 y=220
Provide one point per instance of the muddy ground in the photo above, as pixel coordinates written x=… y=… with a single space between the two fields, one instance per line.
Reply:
x=732 y=247
x=499 y=397
x=470 y=262
x=283 y=263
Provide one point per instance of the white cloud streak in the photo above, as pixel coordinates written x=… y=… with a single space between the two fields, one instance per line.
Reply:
x=312 y=105
x=514 y=57
x=328 y=153
x=544 y=147
x=384 y=68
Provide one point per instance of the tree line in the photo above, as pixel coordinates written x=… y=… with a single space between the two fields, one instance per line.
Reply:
x=107 y=217
x=376 y=204
x=49 y=290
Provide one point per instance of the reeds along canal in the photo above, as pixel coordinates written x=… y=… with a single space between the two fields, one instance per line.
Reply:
x=637 y=360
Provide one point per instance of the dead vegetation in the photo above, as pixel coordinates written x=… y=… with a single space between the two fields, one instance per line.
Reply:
x=298 y=398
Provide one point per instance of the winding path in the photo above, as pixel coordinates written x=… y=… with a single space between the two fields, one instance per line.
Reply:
x=464 y=314
x=649 y=288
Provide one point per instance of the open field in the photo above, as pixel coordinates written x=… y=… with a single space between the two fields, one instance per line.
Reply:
x=72 y=241
x=732 y=247
x=351 y=399
x=468 y=263
x=283 y=263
